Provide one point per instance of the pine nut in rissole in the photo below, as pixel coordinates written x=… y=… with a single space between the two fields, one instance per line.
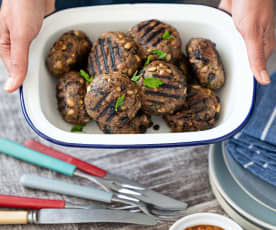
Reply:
x=114 y=52
x=70 y=92
x=68 y=53
x=206 y=63
x=200 y=111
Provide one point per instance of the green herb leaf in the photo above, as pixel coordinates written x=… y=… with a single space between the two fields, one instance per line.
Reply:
x=159 y=53
x=152 y=82
x=77 y=128
x=119 y=102
x=86 y=76
x=136 y=77
x=167 y=35
x=147 y=61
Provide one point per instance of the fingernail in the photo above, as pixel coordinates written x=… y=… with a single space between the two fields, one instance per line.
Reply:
x=265 y=77
x=9 y=84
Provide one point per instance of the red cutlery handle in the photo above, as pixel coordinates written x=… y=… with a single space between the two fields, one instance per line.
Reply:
x=82 y=165
x=29 y=203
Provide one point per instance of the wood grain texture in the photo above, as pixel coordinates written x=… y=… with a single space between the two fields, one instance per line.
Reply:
x=181 y=173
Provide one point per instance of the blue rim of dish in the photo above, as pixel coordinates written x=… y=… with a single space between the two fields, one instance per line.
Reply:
x=140 y=146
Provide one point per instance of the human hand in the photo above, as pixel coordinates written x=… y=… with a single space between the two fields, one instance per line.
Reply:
x=20 y=22
x=254 y=19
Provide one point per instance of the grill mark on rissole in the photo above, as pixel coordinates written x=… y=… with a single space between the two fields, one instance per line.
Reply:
x=119 y=52
x=163 y=76
x=143 y=26
x=156 y=102
x=109 y=106
x=187 y=115
x=191 y=94
x=70 y=83
x=184 y=83
x=97 y=59
x=196 y=101
x=168 y=86
x=155 y=34
x=157 y=41
x=91 y=67
x=97 y=106
x=112 y=55
x=161 y=94
x=102 y=41
x=112 y=114
x=200 y=109
x=150 y=28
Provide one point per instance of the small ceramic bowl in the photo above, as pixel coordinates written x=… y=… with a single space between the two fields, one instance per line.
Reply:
x=205 y=219
x=38 y=93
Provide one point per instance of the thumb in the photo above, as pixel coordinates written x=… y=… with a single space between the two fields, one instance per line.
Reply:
x=226 y=5
x=257 y=60
x=18 y=63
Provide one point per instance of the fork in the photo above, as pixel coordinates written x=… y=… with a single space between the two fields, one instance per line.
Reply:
x=121 y=186
x=110 y=182
x=58 y=186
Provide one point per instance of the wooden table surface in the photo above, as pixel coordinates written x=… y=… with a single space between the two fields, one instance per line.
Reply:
x=181 y=173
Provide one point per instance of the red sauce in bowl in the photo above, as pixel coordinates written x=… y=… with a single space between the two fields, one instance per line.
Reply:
x=204 y=227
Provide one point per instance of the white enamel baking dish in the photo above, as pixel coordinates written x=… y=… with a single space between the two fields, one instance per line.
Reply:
x=38 y=98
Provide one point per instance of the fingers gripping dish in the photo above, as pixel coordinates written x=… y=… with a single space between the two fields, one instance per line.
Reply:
x=206 y=63
x=114 y=52
x=68 y=52
x=154 y=35
x=70 y=92
x=200 y=111
x=163 y=88
x=112 y=99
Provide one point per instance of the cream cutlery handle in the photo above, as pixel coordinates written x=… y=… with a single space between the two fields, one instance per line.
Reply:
x=13 y=217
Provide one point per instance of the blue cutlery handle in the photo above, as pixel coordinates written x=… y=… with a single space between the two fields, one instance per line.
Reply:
x=19 y=151
x=58 y=186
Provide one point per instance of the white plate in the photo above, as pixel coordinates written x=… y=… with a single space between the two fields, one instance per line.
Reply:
x=245 y=223
x=234 y=195
x=38 y=92
x=256 y=188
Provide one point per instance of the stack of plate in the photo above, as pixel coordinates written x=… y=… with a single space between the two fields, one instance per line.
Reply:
x=247 y=199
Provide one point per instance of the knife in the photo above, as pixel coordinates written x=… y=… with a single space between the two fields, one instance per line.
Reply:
x=74 y=216
x=21 y=202
x=148 y=196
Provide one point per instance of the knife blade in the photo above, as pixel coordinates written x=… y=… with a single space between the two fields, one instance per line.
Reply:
x=66 y=216
x=74 y=216
x=149 y=196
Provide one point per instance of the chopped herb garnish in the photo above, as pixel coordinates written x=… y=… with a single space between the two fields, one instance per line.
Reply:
x=77 y=128
x=159 y=53
x=152 y=82
x=147 y=61
x=119 y=102
x=86 y=76
x=136 y=77
x=167 y=35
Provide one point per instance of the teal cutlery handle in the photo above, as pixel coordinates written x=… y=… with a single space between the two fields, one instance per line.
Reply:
x=19 y=151
x=58 y=186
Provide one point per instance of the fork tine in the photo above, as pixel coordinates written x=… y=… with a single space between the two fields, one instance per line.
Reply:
x=155 y=212
x=129 y=192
